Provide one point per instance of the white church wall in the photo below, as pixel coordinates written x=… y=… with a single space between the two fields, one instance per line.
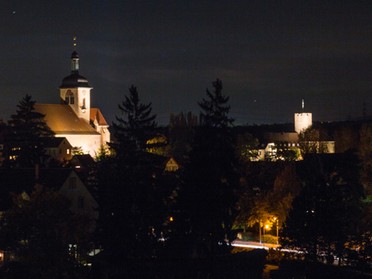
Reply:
x=90 y=144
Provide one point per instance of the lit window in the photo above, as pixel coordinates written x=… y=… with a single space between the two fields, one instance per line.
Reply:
x=68 y=151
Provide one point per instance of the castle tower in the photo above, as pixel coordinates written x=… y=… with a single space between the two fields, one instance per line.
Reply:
x=75 y=90
x=302 y=120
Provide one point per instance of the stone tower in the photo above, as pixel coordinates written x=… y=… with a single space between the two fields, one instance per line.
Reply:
x=302 y=120
x=75 y=90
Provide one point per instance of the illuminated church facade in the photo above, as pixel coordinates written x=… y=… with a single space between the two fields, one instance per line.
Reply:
x=74 y=118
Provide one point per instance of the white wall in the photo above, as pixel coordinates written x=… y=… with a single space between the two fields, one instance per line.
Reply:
x=302 y=121
x=90 y=144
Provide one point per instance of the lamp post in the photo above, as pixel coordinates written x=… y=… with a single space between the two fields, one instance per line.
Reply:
x=277 y=229
x=259 y=230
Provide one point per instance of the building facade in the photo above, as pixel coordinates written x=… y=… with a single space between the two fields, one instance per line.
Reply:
x=83 y=126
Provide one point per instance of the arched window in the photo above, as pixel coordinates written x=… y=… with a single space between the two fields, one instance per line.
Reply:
x=70 y=99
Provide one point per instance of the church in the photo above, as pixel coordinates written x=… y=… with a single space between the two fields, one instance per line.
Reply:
x=74 y=119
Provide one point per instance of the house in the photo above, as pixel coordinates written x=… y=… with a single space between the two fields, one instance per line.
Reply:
x=57 y=148
x=171 y=165
x=82 y=162
x=64 y=180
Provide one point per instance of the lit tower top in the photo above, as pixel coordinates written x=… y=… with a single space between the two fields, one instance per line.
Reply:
x=74 y=79
x=74 y=58
x=302 y=120
x=75 y=89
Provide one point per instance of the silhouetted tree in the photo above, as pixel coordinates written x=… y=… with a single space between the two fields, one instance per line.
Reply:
x=181 y=131
x=328 y=210
x=27 y=127
x=136 y=125
x=38 y=230
x=209 y=194
x=214 y=108
x=365 y=156
x=133 y=203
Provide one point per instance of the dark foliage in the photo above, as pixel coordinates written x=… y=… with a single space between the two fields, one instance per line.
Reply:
x=26 y=129
x=208 y=196
x=214 y=108
x=132 y=192
x=329 y=208
x=242 y=265
x=137 y=124
x=38 y=230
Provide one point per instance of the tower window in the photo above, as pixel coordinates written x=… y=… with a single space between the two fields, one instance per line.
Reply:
x=70 y=99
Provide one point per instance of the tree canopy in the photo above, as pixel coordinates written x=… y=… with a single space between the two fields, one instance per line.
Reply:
x=328 y=209
x=214 y=108
x=208 y=197
x=136 y=123
x=27 y=128
x=40 y=230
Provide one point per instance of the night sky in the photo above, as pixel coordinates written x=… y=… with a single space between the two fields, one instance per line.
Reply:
x=269 y=55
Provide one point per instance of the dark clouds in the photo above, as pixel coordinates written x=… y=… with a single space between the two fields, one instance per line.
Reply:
x=269 y=54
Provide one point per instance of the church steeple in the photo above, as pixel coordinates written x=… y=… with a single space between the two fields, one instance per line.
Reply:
x=75 y=90
x=74 y=58
x=74 y=80
x=74 y=63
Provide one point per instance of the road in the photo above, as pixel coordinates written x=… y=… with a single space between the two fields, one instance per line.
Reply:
x=254 y=245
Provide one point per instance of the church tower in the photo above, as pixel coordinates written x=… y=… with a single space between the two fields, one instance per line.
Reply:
x=302 y=120
x=75 y=90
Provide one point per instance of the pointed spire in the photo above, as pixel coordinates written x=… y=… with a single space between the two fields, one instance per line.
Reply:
x=74 y=57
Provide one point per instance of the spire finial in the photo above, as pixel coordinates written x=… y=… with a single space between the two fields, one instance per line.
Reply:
x=74 y=57
x=74 y=41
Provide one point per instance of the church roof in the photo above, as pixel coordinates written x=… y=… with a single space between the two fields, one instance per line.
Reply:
x=61 y=119
x=74 y=80
x=96 y=115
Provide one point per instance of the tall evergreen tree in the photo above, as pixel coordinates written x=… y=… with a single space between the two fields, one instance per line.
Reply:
x=137 y=123
x=214 y=108
x=27 y=128
x=131 y=200
x=208 y=198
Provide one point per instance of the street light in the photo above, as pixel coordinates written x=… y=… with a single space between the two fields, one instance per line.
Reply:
x=259 y=230
x=277 y=229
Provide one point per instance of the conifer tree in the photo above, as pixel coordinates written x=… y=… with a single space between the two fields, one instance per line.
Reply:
x=27 y=128
x=208 y=198
x=214 y=108
x=137 y=123
x=131 y=201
